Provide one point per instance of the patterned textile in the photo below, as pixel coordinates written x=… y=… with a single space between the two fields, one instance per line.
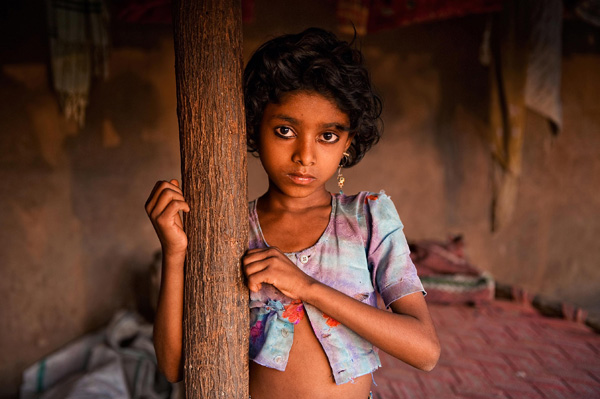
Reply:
x=79 y=50
x=447 y=276
x=363 y=249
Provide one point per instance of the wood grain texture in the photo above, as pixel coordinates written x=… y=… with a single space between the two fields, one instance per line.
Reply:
x=210 y=109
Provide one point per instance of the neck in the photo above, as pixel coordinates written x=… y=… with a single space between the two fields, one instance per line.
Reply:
x=275 y=199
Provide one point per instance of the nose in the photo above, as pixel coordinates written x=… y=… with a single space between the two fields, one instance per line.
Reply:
x=304 y=152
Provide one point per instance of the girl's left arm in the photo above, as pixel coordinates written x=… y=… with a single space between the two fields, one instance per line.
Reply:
x=407 y=334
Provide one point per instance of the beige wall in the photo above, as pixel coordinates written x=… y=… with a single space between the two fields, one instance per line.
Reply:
x=75 y=241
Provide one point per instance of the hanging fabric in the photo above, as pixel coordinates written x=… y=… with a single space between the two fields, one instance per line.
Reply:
x=377 y=15
x=79 y=51
x=589 y=11
x=525 y=69
x=159 y=11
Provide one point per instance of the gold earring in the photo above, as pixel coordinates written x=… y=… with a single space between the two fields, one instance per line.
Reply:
x=340 y=178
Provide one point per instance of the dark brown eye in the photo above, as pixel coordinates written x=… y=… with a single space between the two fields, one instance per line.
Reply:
x=329 y=137
x=284 y=131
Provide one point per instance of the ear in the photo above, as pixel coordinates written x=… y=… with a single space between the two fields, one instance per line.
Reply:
x=348 y=141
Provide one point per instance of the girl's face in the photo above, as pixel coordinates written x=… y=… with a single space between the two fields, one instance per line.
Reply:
x=302 y=140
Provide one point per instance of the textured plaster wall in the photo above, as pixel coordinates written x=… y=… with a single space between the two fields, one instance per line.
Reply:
x=75 y=241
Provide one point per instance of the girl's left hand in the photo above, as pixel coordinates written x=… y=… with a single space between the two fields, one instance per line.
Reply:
x=271 y=266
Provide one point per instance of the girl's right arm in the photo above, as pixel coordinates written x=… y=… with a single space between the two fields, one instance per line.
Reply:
x=163 y=206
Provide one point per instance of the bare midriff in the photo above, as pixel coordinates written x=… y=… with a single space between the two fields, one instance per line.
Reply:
x=307 y=374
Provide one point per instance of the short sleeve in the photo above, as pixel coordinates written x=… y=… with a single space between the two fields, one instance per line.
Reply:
x=393 y=272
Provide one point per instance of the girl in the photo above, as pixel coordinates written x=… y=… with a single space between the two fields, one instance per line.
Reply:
x=316 y=259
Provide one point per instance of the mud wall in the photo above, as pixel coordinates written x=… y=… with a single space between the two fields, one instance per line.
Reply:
x=75 y=240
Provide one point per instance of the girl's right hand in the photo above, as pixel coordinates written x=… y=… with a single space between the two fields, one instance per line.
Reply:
x=163 y=206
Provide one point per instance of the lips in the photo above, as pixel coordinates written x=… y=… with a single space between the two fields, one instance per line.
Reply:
x=301 y=178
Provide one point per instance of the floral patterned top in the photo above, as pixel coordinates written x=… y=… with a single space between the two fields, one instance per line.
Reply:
x=363 y=249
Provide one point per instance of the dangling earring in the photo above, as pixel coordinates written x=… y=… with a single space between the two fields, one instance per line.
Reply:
x=340 y=178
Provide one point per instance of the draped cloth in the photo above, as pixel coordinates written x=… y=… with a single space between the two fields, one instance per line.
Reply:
x=368 y=16
x=79 y=51
x=522 y=46
x=589 y=11
x=524 y=55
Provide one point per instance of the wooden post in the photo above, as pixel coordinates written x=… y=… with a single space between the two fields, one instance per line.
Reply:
x=210 y=109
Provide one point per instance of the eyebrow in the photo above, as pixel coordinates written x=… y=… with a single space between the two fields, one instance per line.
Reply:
x=294 y=121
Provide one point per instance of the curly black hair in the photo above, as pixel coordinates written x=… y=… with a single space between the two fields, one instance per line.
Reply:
x=316 y=61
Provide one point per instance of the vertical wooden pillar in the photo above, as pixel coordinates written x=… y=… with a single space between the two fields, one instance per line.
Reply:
x=210 y=109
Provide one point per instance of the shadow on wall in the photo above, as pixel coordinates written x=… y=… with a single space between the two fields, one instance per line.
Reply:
x=74 y=247
x=436 y=109
x=107 y=159
x=460 y=104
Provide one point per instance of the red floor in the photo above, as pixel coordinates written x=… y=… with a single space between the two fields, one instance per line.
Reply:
x=500 y=350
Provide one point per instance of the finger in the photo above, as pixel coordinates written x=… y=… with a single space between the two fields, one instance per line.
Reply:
x=258 y=254
x=256 y=280
x=175 y=186
x=256 y=266
x=153 y=197
x=254 y=250
x=268 y=249
x=178 y=220
x=164 y=198
x=255 y=287
x=152 y=193
x=171 y=213
x=157 y=190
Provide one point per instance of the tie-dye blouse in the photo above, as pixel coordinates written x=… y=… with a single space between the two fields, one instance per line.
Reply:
x=363 y=249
